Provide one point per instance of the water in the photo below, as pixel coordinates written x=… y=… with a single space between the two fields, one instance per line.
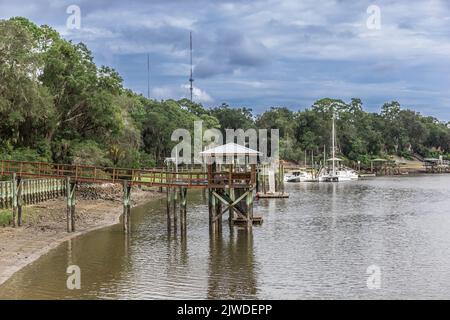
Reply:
x=316 y=244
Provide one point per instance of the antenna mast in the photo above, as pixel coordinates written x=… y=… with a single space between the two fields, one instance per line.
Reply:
x=191 y=79
x=148 y=76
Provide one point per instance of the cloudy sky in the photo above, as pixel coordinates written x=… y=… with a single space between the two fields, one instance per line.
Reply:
x=267 y=53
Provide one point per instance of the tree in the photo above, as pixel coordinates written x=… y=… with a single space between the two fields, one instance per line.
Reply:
x=277 y=118
x=56 y=104
x=233 y=118
x=26 y=108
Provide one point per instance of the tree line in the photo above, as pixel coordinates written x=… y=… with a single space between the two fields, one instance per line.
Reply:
x=57 y=105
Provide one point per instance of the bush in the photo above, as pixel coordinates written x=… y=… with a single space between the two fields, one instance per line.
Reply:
x=80 y=152
x=147 y=160
x=89 y=153
x=5 y=217
x=23 y=154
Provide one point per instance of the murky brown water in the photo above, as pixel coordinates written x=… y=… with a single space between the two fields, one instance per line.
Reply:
x=317 y=244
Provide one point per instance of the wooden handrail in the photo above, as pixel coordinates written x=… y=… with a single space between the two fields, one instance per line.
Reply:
x=149 y=177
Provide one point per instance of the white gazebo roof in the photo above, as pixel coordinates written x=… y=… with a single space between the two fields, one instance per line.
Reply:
x=230 y=149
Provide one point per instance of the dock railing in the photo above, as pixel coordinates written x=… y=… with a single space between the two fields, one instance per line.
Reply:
x=159 y=177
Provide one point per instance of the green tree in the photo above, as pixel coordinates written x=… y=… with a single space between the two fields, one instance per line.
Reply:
x=233 y=118
x=26 y=107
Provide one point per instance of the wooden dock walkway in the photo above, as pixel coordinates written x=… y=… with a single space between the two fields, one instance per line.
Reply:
x=222 y=185
x=92 y=174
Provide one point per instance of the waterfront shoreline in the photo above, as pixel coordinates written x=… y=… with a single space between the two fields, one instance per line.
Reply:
x=46 y=228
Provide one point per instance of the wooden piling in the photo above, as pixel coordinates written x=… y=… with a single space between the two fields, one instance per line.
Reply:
x=231 y=209
x=249 y=213
x=70 y=215
x=211 y=208
x=174 y=204
x=69 y=206
x=183 y=210
x=2 y=194
x=168 y=208
x=14 y=198
x=126 y=206
x=19 y=201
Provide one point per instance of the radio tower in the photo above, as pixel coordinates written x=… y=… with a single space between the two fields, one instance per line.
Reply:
x=191 y=79
x=148 y=76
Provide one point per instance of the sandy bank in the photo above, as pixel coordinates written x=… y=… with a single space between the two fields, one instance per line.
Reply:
x=45 y=224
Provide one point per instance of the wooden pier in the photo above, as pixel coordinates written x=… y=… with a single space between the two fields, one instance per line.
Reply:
x=229 y=189
x=433 y=165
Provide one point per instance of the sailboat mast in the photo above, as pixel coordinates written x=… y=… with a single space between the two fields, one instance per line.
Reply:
x=332 y=146
x=148 y=76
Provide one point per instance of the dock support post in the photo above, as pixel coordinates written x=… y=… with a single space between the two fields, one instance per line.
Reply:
x=231 y=210
x=126 y=206
x=204 y=194
x=70 y=191
x=183 y=210
x=218 y=216
x=19 y=201
x=211 y=208
x=68 y=220
x=174 y=204
x=168 y=208
x=14 y=198
x=264 y=190
x=281 y=178
x=249 y=202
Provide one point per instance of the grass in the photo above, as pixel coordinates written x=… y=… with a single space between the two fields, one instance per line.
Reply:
x=5 y=217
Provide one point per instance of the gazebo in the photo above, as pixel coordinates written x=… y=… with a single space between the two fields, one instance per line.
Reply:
x=232 y=152
x=231 y=183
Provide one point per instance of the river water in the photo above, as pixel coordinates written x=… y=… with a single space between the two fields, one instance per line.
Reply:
x=319 y=243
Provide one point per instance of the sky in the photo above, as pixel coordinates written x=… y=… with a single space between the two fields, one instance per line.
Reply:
x=260 y=54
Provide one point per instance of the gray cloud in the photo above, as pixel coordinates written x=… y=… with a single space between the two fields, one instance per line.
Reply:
x=228 y=52
x=268 y=52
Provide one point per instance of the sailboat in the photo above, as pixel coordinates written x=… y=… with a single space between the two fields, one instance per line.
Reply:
x=336 y=173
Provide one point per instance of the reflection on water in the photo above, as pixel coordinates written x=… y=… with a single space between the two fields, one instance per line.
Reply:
x=231 y=266
x=316 y=244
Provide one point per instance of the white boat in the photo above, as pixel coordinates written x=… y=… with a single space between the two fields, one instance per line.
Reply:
x=339 y=175
x=298 y=176
x=336 y=173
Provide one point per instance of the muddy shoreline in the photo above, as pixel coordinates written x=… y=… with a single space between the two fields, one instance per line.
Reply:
x=44 y=225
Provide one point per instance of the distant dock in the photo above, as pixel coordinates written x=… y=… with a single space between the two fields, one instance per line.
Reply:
x=272 y=195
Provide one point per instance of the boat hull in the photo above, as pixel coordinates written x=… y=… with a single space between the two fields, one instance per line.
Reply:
x=337 y=178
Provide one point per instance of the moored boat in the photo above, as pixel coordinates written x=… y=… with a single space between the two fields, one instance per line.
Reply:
x=298 y=176
x=336 y=174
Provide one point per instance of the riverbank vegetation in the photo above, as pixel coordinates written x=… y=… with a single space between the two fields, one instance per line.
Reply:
x=57 y=105
x=5 y=217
